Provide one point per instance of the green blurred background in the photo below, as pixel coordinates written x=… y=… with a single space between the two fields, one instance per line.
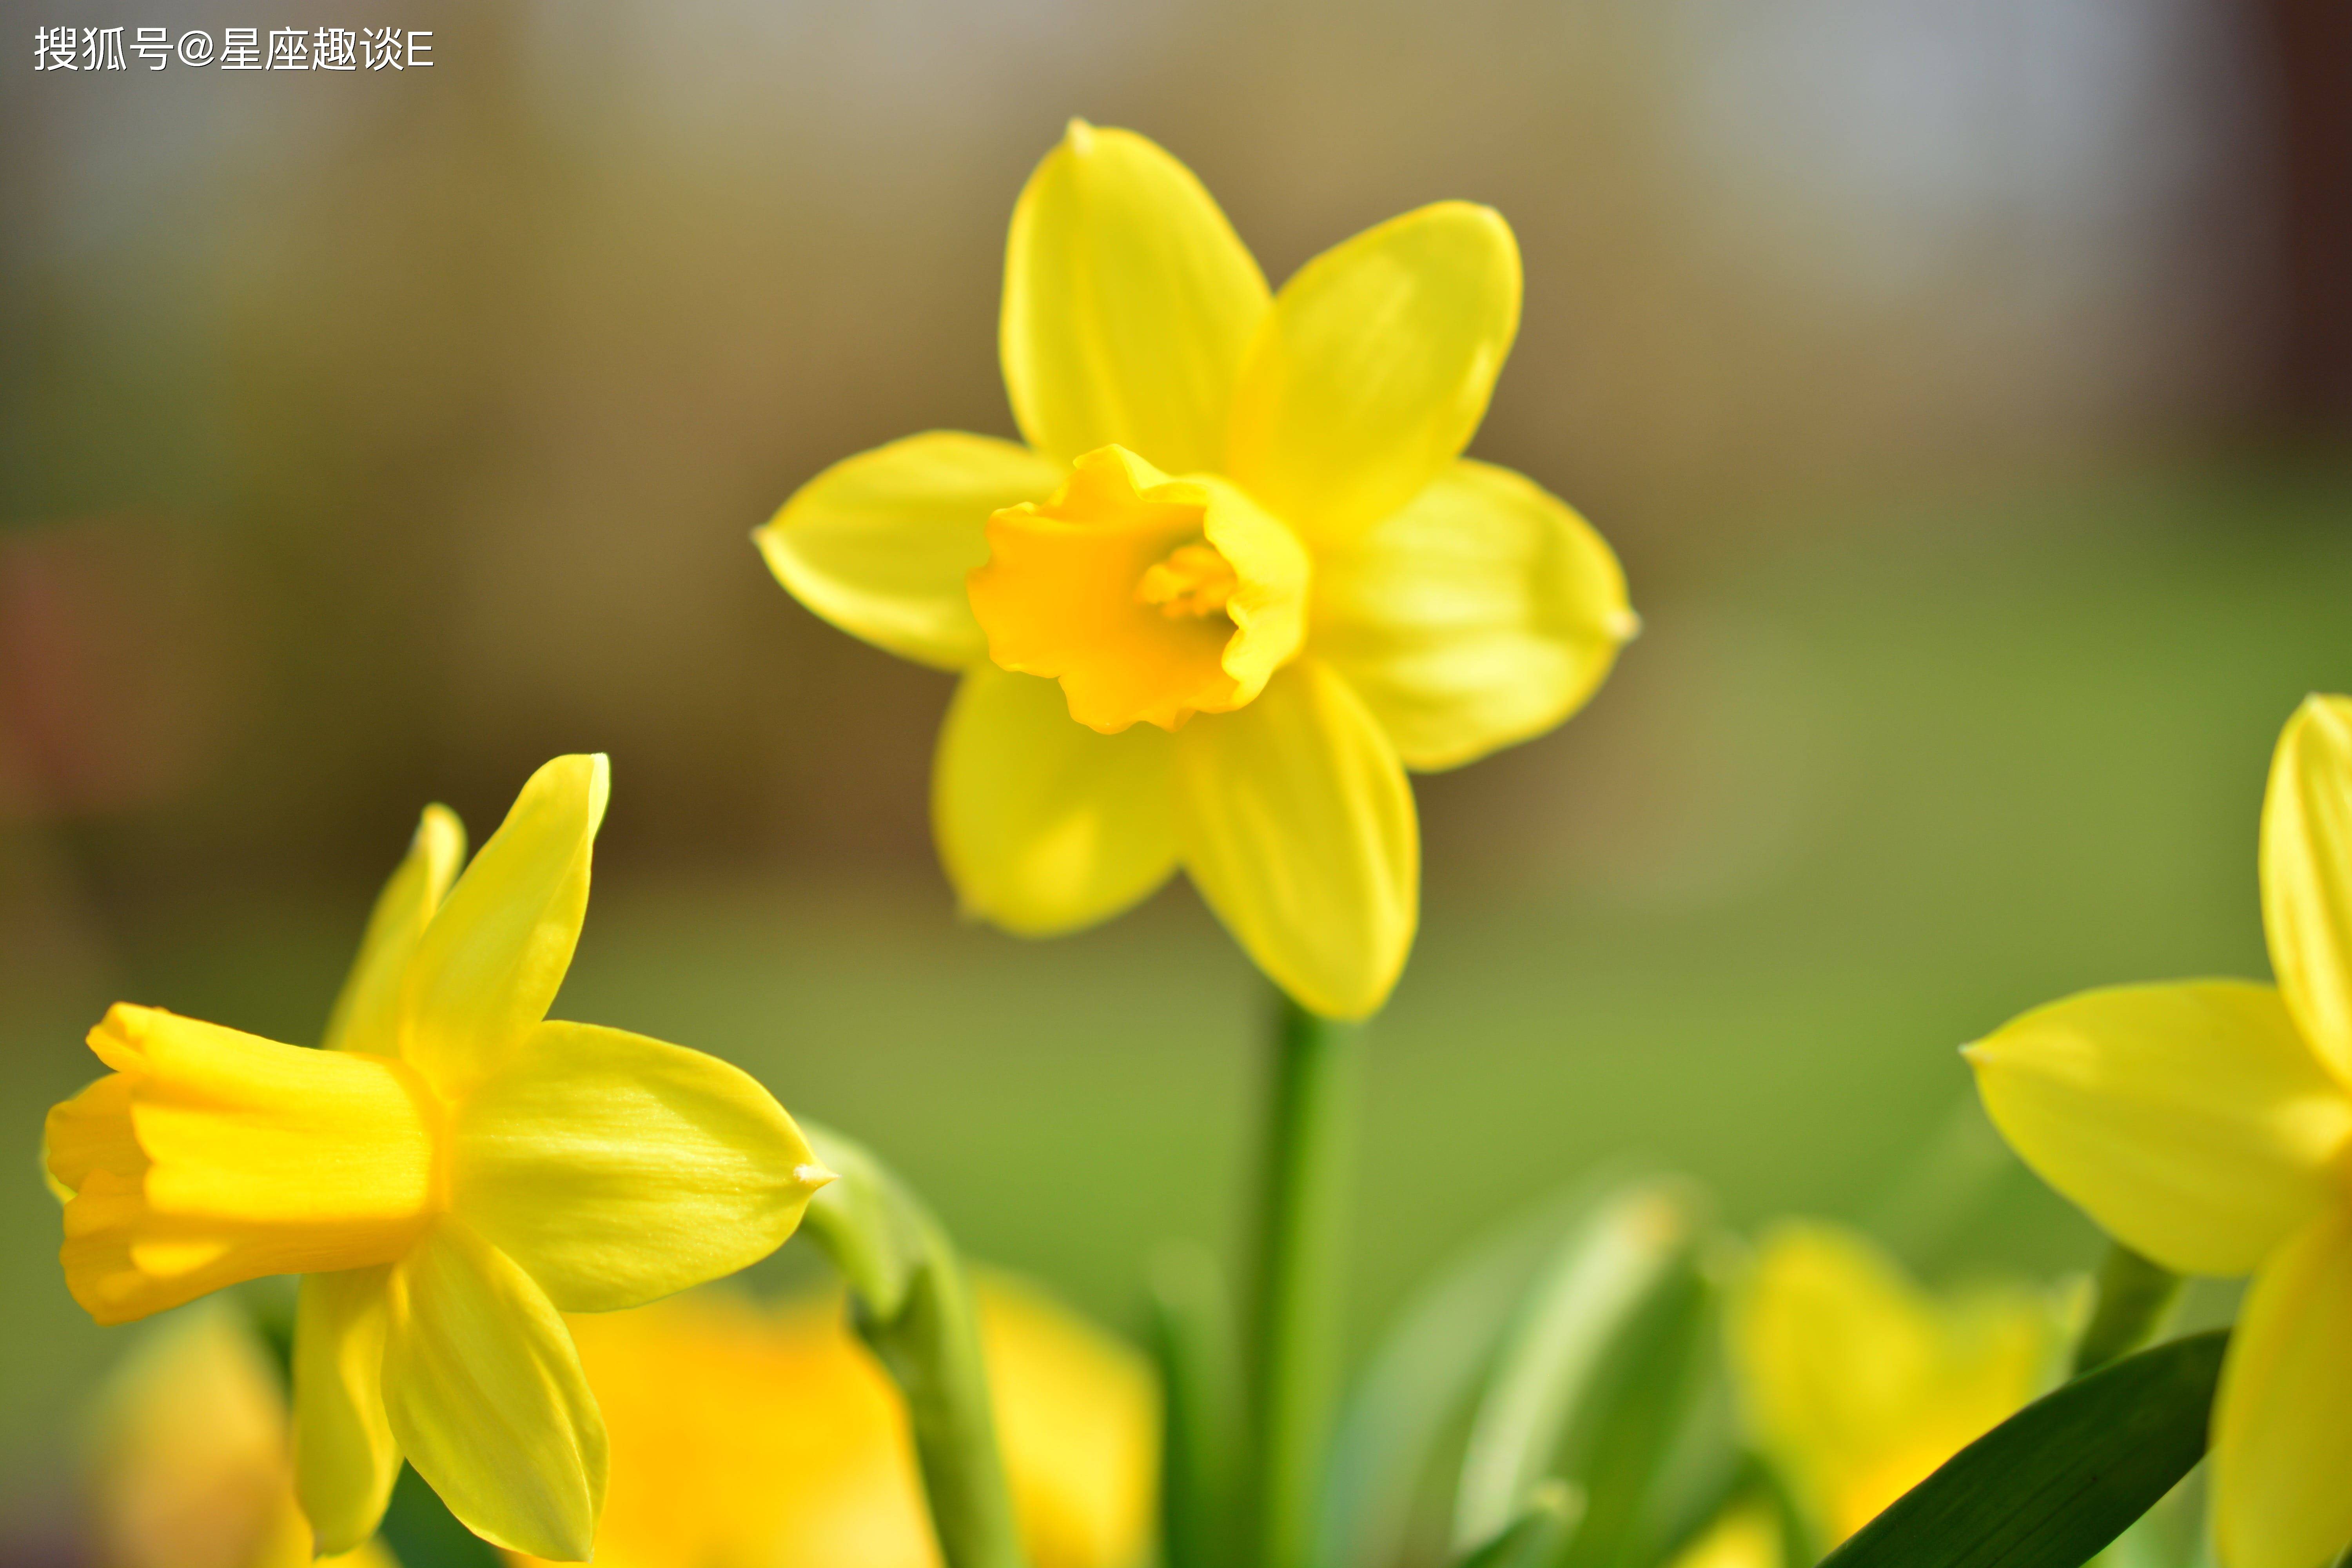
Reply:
x=1965 y=388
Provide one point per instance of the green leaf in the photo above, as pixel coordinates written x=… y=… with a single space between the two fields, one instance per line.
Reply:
x=1530 y=1540
x=1657 y=1449
x=1420 y=1384
x=1598 y=1281
x=912 y=1304
x=2054 y=1483
x=1192 y=1340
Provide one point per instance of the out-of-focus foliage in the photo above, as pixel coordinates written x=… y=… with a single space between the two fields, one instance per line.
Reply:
x=188 y=1460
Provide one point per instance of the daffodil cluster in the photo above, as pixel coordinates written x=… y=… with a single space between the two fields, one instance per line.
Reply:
x=1239 y=579
x=449 y=1175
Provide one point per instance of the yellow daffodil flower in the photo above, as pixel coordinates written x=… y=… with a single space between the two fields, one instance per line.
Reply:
x=2208 y=1125
x=188 y=1465
x=1857 y=1384
x=761 y=1437
x=1242 y=540
x=448 y=1173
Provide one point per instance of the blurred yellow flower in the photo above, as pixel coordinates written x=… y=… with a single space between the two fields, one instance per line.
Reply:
x=1747 y=1535
x=753 y=1436
x=1252 y=652
x=187 y=1461
x=452 y=1170
x=2208 y=1125
x=1857 y=1384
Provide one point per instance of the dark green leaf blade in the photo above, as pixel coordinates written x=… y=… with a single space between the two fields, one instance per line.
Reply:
x=2054 y=1483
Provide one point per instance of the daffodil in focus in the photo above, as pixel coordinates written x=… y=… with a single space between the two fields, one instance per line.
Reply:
x=448 y=1175
x=751 y=1435
x=187 y=1464
x=2206 y=1124
x=1239 y=579
x=1857 y=1384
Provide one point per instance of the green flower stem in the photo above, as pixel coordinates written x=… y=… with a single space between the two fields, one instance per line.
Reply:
x=1296 y=1324
x=2135 y=1296
x=912 y=1305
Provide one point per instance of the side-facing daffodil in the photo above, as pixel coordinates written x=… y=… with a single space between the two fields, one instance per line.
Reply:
x=453 y=1171
x=766 y=1437
x=187 y=1464
x=2206 y=1124
x=1856 y=1384
x=1243 y=542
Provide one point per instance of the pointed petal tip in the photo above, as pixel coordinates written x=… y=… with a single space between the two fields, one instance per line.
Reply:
x=1079 y=134
x=813 y=1176
x=1623 y=623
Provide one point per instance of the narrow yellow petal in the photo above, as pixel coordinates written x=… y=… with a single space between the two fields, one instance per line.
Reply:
x=1043 y=825
x=1129 y=303
x=2190 y=1120
x=2306 y=860
x=487 y=1399
x=1298 y=826
x=614 y=1169
x=344 y=1456
x=1373 y=368
x=880 y=544
x=367 y=1013
x=2282 y=1448
x=493 y=955
x=1480 y=615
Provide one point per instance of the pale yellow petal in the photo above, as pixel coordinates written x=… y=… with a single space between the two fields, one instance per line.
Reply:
x=1298 y=826
x=487 y=1399
x=496 y=952
x=344 y=1456
x=2190 y=1120
x=1481 y=613
x=1043 y=825
x=1858 y=1382
x=2307 y=859
x=615 y=1168
x=1129 y=303
x=880 y=544
x=2282 y=1447
x=367 y=1013
x=1373 y=368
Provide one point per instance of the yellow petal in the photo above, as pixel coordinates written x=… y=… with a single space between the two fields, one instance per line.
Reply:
x=344 y=1456
x=1078 y=1412
x=492 y=958
x=367 y=1013
x=1481 y=613
x=2306 y=857
x=2190 y=1121
x=212 y=1156
x=880 y=544
x=2282 y=1449
x=1129 y=303
x=615 y=1168
x=1858 y=1382
x=487 y=1400
x=1298 y=826
x=1043 y=825
x=1374 y=366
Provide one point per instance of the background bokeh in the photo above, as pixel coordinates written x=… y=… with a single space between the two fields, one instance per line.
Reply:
x=1966 y=388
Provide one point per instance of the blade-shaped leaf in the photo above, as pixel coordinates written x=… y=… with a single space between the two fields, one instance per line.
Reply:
x=1200 y=1406
x=1598 y=1281
x=1529 y=1541
x=2058 y=1480
x=1420 y=1384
